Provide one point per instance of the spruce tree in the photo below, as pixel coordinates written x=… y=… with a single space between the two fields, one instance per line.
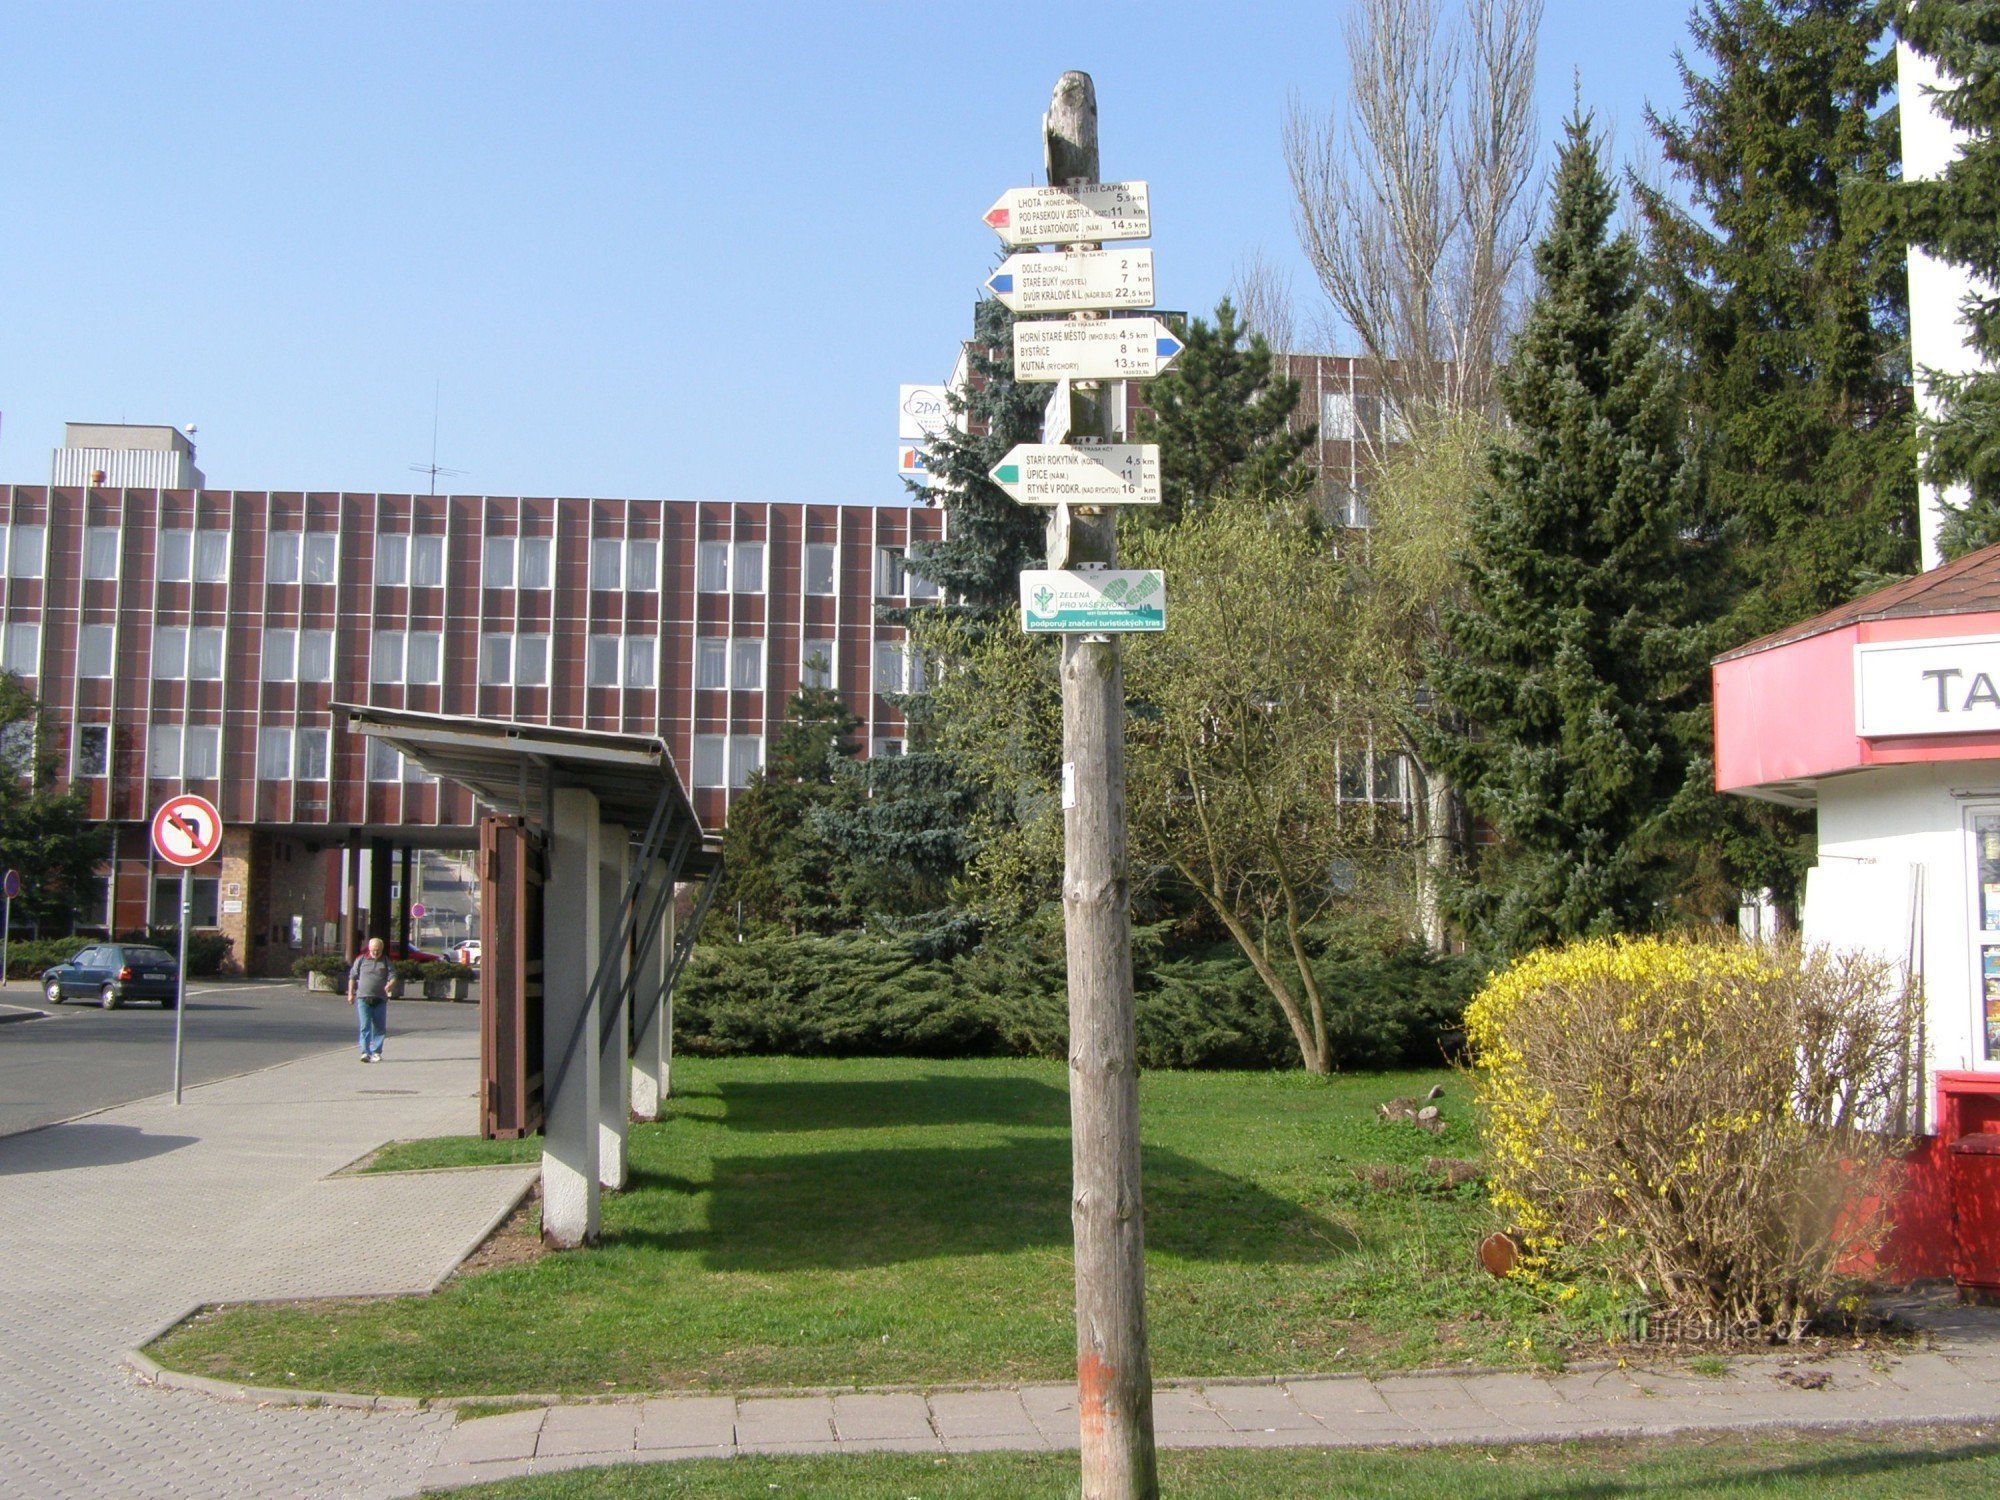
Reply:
x=1221 y=417
x=774 y=864
x=1575 y=660
x=1957 y=219
x=1782 y=283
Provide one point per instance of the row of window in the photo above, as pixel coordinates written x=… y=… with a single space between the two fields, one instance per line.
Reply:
x=418 y=561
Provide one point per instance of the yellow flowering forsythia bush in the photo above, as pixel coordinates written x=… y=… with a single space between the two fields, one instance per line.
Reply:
x=1716 y=1119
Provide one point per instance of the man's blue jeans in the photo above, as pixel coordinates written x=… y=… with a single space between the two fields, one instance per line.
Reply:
x=373 y=1018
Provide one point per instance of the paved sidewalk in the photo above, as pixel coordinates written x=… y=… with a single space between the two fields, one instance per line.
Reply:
x=121 y=1222
x=1958 y=1382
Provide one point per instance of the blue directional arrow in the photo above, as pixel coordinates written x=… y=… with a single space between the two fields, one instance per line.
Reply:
x=1167 y=346
x=1000 y=283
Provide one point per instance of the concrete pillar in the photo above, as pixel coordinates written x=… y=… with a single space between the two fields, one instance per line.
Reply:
x=381 y=873
x=649 y=1047
x=572 y=920
x=350 y=917
x=614 y=1069
x=668 y=939
x=405 y=893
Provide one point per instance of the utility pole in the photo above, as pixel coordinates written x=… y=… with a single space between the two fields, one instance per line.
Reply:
x=1114 y=1371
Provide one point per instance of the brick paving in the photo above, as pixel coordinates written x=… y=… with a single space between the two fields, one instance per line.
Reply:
x=119 y=1223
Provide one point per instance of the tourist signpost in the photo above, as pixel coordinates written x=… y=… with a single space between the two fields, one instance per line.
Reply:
x=1084 y=470
x=187 y=830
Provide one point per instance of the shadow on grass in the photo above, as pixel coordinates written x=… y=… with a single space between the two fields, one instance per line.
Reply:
x=1826 y=1472
x=848 y=1210
x=869 y=1103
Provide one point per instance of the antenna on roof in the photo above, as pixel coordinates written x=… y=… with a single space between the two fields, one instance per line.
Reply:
x=432 y=468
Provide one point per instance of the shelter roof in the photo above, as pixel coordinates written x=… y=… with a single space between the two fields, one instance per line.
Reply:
x=1971 y=585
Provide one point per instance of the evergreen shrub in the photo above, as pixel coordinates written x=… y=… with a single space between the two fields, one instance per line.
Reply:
x=868 y=995
x=208 y=952
x=27 y=959
x=1715 y=1119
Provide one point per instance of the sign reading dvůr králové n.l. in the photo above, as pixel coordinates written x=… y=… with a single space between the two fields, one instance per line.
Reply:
x=1072 y=279
x=1949 y=686
x=1102 y=474
x=1104 y=349
x=1094 y=601
x=1083 y=214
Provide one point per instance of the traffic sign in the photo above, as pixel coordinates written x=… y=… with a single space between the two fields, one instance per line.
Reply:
x=186 y=830
x=1071 y=215
x=1074 y=278
x=1101 y=474
x=10 y=884
x=419 y=911
x=1102 y=349
x=1094 y=600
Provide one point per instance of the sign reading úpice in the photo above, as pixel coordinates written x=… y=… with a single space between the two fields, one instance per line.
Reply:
x=1949 y=686
x=1101 y=599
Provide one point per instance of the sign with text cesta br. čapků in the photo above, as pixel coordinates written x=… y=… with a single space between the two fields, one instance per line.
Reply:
x=1949 y=686
x=1093 y=600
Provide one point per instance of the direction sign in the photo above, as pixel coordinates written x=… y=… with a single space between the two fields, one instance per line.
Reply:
x=1094 y=600
x=186 y=830
x=1102 y=349
x=1071 y=215
x=1074 y=278
x=1102 y=474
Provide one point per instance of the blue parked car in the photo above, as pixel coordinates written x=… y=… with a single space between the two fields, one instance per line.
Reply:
x=112 y=973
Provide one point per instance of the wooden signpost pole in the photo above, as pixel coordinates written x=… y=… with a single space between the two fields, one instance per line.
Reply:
x=1114 y=1372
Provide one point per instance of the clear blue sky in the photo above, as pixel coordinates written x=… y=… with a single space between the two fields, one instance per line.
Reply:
x=644 y=250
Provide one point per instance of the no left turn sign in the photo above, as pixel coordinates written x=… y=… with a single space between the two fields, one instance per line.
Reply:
x=186 y=830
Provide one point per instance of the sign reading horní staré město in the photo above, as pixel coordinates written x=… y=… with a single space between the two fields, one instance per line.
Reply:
x=1085 y=213
x=1102 y=474
x=1074 y=279
x=1105 y=349
x=1101 y=599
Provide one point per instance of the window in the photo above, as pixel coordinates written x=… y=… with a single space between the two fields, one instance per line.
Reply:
x=920 y=586
x=17 y=748
x=201 y=757
x=176 y=556
x=746 y=758
x=522 y=661
x=170 y=646
x=281 y=655
x=321 y=559
x=97 y=902
x=537 y=557
x=606 y=557
x=211 y=557
x=496 y=563
x=311 y=763
x=281 y=556
x=711 y=664
x=202 y=894
x=708 y=759
x=890 y=575
x=24 y=648
x=601 y=661
x=315 y=656
x=1371 y=775
x=531 y=660
x=274 y=755
x=1336 y=417
x=749 y=567
x=425 y=665
x=712 y=568
x=392 y=559
x=415 y=775
x=1353 y=506
x=385 y=657
x=746 y=666
x=819 y=567
x=384 y=764
x=205 y=653
x=885 y=749
x=496 y=658
x=24 y=553
x=93 y=750
x=93 y=651
x=642 y=661
x=427 y=562
x=632 y=565
x=163 y=752
x=816 y=664
x=100 y=552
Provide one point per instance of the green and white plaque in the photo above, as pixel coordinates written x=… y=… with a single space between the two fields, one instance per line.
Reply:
x=1093 y=601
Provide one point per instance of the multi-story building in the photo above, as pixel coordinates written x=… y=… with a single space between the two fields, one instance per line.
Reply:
x=199 y=639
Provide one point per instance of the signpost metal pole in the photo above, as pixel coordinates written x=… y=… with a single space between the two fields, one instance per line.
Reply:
x=1114 y=1372
x=6 y=937
x=181 y=984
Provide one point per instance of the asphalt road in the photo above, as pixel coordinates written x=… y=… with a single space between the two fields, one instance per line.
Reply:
x=57 y=1062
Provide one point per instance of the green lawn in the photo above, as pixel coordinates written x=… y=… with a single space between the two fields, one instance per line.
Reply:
x=1907 y=1464
x=879 y=1222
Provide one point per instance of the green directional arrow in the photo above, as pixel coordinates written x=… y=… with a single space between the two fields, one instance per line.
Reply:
x=1007 y=474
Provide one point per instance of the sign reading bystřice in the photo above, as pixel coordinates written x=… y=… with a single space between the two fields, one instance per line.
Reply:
x=1093 y=601
x=1106 y=349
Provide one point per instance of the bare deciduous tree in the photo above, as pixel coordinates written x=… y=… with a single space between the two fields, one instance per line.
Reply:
x=1262 y=293
x=1416 y=204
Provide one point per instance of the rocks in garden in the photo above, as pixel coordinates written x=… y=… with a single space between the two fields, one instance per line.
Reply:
x=1423 y=1115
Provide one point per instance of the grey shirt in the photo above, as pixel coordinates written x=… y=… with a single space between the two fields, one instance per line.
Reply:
x=370 y=978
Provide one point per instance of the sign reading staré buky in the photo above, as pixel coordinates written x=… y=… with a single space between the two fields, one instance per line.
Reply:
x=1073 y=279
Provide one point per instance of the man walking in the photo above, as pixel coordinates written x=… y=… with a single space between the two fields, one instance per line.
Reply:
x=370 y=983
